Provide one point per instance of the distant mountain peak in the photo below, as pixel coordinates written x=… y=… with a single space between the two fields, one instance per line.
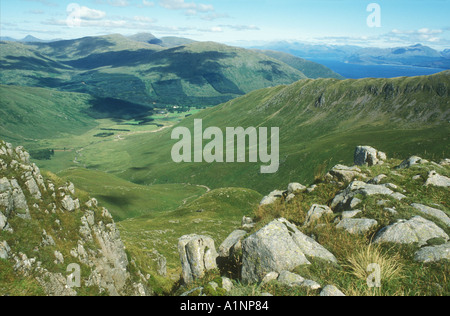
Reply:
x=30 y=39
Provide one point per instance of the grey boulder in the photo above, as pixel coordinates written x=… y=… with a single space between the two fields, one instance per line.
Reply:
x=277 y=247
x=198 y=255
x=432 y=212
x=357 y=226
x=435 y=179
x=416 y=230
x=331 y=290
x=433 y=254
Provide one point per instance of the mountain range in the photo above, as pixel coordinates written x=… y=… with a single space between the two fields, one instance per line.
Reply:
x=415 y=55
x=147 y=71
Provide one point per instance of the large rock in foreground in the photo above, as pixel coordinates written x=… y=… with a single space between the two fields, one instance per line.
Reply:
x=198 y=255
x=416 y=230
x=277 y=247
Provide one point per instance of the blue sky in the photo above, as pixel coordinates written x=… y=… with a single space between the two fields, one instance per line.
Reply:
x=403 y=22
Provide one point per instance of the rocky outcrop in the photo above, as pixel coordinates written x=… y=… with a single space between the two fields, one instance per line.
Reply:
x=368 y=156
x=275 y=252
x=97 y=248
x=341 y=173
x=416 y=230
x=293 y=189
x=198 y=255
x=277 y=247
x=343 y=200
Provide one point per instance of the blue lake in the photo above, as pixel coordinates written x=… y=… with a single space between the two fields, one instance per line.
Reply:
x=353 y=71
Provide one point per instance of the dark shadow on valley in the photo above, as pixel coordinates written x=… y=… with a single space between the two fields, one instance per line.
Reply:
x=118 y=109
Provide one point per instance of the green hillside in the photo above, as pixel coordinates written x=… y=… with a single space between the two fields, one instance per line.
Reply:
x=310 y=69
x=128 y=200
x=191 y=75
x=35 y=113
x=215 y=214
x=174 y=71
x=83 y=47
x=321 y=121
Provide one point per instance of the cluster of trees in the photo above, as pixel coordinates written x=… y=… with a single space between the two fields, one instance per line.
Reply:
x=42 y=154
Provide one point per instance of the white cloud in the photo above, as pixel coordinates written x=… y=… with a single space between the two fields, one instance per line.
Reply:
x=146 y=3
x=85 y=13
x=190 y=8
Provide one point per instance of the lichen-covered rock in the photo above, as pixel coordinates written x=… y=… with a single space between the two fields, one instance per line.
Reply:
x=4 y=250
x=277 y=247
x=271 y=198
x=432 y=212
x=416 y=230
x=366 y=155
x=412 y=161
x=247 y=223
x=198 y=255
x=344 y=198
x=357 y=226
x=331 y=290
x=94 y=242
x=433 y=254
x=293 y=280
x=435 y=179
x=378 y=179
x=69 y=204
x=271 y=276
x=350 y=214
x=4 y=223
x=290 y=279
x=271 y=249
x=343 y=173
x=232 y=244
x=55 y=284
x=295 y=187
x=316 y=212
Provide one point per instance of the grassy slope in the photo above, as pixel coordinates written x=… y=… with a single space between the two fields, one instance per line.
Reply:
x=222 y=212
x=310 y=69
x=35 y=113
x=127 y=200
x=401 y=116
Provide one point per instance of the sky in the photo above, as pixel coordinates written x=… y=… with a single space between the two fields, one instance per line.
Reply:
x=240 y=22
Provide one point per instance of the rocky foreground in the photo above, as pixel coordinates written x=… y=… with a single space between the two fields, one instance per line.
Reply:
x=272 y=253
x=324 y=239
x=46 y=227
